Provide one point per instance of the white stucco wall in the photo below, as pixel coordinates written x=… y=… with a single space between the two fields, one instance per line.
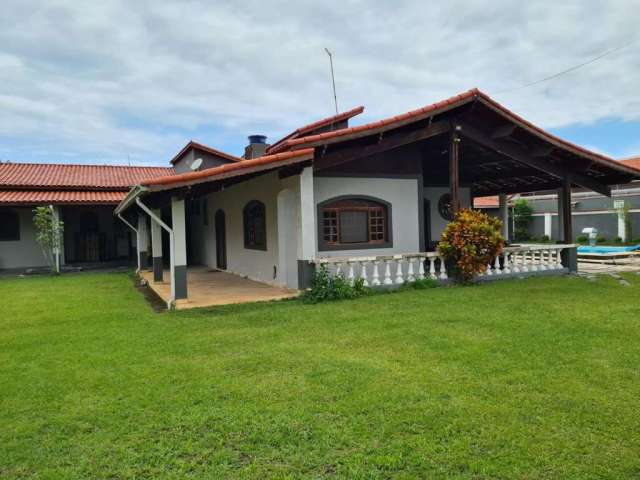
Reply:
x=438 y=223
x=255 y=264
x=401 y=193
x=282 y=196
x=25 y=252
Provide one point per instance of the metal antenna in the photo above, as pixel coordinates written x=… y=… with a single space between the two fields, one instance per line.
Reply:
x=333 y=80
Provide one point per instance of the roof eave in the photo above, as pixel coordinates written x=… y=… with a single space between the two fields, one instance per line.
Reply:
x=126 y=202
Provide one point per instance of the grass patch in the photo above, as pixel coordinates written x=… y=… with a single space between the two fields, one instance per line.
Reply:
x=536 y=378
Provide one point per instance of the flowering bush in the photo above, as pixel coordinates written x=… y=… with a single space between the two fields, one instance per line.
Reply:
x=472 y=240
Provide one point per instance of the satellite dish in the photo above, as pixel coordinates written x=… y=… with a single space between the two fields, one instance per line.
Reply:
x=196 y=164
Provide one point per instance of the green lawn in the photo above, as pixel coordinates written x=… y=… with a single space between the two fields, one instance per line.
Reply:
x=530 y=379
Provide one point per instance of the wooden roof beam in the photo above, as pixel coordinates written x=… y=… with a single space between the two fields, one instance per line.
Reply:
x=387 y=142
x=523 y=156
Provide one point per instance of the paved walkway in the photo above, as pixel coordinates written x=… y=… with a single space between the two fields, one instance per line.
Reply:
x=207 y=287
x=631 y=264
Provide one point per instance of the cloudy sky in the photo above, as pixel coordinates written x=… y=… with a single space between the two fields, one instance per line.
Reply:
x=119 y=81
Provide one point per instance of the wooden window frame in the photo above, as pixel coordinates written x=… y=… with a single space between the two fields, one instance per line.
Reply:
x=16 y=237
x=376 y=206
x=258 y=244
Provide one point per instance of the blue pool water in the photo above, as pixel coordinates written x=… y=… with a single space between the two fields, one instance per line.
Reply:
x=588 y=249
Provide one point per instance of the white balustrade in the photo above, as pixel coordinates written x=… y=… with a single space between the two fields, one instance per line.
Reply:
x=375 y=281
x=399 y=276
x=363 y=273
x=391 y=270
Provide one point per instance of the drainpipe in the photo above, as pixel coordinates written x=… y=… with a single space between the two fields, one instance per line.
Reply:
x=156 y=219
x=135 y=230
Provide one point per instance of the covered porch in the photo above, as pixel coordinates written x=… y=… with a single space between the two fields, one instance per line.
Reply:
x=209 y=287
x=371 y=201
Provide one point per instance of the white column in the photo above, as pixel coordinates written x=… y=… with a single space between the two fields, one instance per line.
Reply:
x=504 y=215
x=142 y=241
x=287 y=239
x=547 y=225
x=179 y=253
x=619 y=207
x=308 y=229
x=156 y=247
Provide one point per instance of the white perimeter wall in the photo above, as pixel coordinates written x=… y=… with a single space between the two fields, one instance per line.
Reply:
x=25 y=252
x=401 y=193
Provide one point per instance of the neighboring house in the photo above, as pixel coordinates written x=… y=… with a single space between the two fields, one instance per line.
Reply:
x=329 y=191
x=83 y=196
x=588 y=209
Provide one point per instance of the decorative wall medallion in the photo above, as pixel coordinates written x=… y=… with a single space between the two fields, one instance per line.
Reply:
x=444 y=206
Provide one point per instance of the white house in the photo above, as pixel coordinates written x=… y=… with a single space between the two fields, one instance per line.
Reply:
x=371 y=200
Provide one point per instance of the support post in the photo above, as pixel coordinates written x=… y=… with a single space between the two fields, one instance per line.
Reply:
x=454 y=171
x=142 y=241
x=308 y=231
x=565 y=202
x=156 y=247
x=504 y=215
x=547 y=225
x=179 y=253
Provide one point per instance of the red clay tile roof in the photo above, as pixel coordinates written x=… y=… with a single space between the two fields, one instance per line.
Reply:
x=318 y=124
x=434 y=109
x=60 y=197
x=204 y=148
x=78 y=177
x=234 y=169
x=374 y=127
x=633 y=162
x=486 y=202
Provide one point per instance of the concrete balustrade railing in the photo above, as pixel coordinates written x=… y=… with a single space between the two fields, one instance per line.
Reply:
x=387 y=271
x=527 y=259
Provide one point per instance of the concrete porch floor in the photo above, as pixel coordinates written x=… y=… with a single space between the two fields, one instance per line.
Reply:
x=209 y=287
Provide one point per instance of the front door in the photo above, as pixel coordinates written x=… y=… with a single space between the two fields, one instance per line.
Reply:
x=221 y=241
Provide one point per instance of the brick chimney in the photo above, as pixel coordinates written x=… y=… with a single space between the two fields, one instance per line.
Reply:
x=256 y=148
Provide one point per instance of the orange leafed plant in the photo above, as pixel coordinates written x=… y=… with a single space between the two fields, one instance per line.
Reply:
x=472 y=240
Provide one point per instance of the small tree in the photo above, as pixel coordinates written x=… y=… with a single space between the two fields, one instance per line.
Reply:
x=472 y=240
x=48 y=235
x=522 y=213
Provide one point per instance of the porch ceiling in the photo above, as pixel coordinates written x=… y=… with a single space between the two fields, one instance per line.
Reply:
x=500 y=152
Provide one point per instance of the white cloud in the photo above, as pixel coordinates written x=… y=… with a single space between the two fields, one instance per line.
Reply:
x=105 y=80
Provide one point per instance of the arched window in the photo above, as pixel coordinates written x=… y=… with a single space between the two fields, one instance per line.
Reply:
x=354 y=222
x=255 y=225
x=9 y=226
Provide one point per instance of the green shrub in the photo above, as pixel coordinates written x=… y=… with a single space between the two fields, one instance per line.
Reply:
x=545 y=239
x=522 y=217
x=582 y=239
x=471 y=241
x=521 y=235
x=325 y=287
x=617 y=240
x=423 y=284
x=601 y=239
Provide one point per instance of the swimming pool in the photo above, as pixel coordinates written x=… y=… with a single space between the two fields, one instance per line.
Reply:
x=589 y=249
